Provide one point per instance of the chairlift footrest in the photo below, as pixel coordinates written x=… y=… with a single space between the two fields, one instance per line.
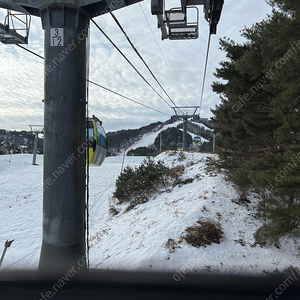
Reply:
x=8 y=36
x=183 y=33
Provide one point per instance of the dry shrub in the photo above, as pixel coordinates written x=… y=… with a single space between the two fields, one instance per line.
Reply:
x=172 y=153
x=175 y=172
x=260 y=237
x=181 y=156
x=203 y=233
x=181 y=182
x=263 y=238
x=172 y=245
x=137 y=200
x=113 y=211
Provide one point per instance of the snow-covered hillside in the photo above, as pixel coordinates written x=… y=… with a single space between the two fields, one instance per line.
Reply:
x=137 y=239
x=149 y=138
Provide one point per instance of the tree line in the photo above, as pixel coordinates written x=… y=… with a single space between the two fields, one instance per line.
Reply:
x=257 y=122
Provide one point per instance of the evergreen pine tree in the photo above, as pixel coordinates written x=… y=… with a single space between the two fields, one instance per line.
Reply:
x=258 y=121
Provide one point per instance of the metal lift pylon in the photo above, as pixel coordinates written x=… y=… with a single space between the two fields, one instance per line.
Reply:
x=184 y=117
x=63 y=245
x=36 y=130
x=66 y=29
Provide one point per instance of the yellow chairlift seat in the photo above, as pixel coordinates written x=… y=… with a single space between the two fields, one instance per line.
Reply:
x=197 y=140
x=180 y=147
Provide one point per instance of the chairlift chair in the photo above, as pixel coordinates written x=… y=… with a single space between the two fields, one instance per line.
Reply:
x=97 y=142
x=197 y=140
x=179 y=26
x=175 y=24
x=180 y=146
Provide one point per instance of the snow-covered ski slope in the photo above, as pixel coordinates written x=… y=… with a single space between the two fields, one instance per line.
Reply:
x=149 y=138
x=136 y=240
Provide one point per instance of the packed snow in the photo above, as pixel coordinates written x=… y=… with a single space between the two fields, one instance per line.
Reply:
x=136 y=240
x=149 y=138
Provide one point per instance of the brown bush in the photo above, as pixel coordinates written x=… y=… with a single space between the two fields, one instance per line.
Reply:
x=175 y=172
x=113 y=211
x=260 y=237
x=204 y=233
x=172 y=245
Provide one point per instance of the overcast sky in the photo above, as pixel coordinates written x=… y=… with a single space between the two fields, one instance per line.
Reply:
x=22 y=78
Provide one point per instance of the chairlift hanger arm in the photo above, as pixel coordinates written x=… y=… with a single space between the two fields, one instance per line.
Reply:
x=15 y=29
x=93 y=7
x=183 y=29
x=97 y=120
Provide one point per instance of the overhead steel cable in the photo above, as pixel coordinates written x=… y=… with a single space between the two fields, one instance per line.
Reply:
x=107 y=89
x=161 y=52
x=130 y=62
x=204 y=75
x=101 y=86
x=30 y=51
x=140 y=56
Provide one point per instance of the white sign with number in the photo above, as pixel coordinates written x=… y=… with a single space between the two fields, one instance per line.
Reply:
x=56 y=37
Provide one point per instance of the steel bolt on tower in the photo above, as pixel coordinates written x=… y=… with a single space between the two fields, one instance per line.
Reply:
x=66 y=29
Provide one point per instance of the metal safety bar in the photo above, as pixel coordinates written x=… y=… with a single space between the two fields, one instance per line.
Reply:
x=15 y=29
x=179 y=26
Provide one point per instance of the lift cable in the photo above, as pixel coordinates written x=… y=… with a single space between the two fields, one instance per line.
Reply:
x=30 y=51
x=127 y=97
x=87 y=165
x=161 y=53
x=130 y=62
x=204 y=75
x=140 y=56
x=109 y=89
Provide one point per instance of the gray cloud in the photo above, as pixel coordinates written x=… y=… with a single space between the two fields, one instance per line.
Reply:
x=21 y=73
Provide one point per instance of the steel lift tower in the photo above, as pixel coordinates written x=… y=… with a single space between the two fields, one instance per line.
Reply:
x=66 y=36
x=184 y=115
x=66 y=31
x=36 y=130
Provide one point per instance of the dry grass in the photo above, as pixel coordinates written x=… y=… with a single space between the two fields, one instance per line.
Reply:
x=172 y=245
x=203 y=233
